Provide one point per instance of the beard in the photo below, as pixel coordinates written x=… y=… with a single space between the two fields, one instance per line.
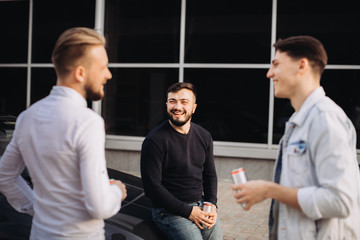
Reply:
x=92 y=94
x=178 y=122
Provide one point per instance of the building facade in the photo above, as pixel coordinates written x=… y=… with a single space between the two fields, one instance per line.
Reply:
x=223 y=47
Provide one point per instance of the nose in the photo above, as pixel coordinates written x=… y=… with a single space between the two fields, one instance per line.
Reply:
x=269 y=73
x=108 y=75
x=177 y=105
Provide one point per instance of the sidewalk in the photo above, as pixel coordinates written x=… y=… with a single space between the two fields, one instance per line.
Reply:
x=236 y=223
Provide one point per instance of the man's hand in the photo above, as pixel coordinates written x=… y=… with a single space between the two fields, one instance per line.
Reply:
x=254 y=192
x=250 y=193
x=199 y=217
x=122 y=188
x=214 y=217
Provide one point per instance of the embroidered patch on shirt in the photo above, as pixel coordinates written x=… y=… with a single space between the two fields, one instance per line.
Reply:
x=297 y=148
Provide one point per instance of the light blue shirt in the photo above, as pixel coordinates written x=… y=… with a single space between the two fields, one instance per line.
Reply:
x=62 y=144
x=320 y=161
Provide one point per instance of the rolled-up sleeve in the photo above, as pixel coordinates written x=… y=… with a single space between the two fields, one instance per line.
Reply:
x=332 y=153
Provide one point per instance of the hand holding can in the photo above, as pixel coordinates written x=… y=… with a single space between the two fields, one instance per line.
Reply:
x=207 y=208
x=239 y=177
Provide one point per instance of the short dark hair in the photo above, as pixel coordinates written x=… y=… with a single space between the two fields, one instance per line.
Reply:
x=304 y=47
x=182 y=85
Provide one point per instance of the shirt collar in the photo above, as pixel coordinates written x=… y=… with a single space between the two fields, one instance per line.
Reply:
x=299 y=117
x=69 y=93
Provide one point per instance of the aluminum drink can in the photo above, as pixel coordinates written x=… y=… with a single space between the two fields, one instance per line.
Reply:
x=239 y=176
x=207 y=208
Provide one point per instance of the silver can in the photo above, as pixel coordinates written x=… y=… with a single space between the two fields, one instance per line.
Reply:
x=239 y=176
x=207 y=208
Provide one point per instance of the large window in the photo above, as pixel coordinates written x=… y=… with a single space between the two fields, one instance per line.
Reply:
x=27 y=75
x=14 y=16
x=233 y=104
x=224 y=48
x=229 y=31
x=51 y=18
x=143 y=31
x=135 y=99
x=13 y=53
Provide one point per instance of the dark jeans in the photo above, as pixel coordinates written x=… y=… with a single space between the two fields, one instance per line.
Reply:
x=180 y=228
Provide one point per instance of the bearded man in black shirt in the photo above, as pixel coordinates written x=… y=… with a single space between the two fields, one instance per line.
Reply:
x=178 y=171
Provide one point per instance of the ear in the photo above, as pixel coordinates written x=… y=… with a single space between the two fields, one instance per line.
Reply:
x=80 y=74
x=303 y=65
x=194 y=107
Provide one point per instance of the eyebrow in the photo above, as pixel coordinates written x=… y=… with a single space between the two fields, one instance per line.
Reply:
x=181 y=99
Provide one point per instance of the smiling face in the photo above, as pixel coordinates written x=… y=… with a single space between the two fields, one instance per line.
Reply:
x=97 y=73
x=180 y=107
x=283 y=72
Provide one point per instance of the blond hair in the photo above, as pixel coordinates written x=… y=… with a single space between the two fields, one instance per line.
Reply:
x=72 y=46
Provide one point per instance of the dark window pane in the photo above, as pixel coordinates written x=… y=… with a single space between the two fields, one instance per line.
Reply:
x=51 y=18
x=342 y=86
x=42 y=81
x=134 y=101
x=228 y=31
x=233 y=104
x=335 y=24
x=13 y=90
x=14 y=22
x=282 y=112
x=143 y=31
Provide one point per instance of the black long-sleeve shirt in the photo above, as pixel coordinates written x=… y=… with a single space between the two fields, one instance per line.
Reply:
x=177 y=168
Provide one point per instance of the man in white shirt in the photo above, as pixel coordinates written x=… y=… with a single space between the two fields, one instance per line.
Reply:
x=316 y=191
x=61 y=142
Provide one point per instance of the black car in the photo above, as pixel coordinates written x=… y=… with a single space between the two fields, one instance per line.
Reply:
x=132 y=222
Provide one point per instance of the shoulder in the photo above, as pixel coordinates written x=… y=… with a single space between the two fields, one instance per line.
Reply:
x=159 y=133
x=326 y=104
x=156 y=138
x=159 y=130
x=327 y=116
x=326 y=108
x=200 y=130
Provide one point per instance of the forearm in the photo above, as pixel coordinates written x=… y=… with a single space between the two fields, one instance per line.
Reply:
x=285 y=195
x=210 y=181
x=210 y=189
x=12 y=185
x=161 y=197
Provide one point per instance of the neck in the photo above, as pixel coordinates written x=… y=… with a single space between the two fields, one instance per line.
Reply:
x=184 y=129
x=73 y=85
x=298 y=99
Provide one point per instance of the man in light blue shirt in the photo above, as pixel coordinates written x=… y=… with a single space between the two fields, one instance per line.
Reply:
x=316 y=188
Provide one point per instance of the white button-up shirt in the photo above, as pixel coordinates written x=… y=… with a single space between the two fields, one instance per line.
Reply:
x=62 y=144
x=320 y=161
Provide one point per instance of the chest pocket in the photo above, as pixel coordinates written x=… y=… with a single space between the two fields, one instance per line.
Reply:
x=298 y=160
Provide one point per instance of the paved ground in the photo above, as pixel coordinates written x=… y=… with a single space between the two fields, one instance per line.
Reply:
x=236 y=223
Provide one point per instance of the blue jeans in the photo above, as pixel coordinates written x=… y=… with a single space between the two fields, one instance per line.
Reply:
x=180 y=228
